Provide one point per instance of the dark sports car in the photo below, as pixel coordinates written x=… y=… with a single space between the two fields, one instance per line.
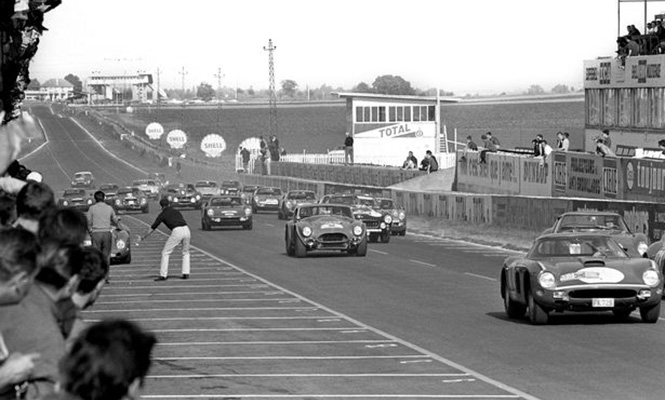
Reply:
x=324 y=227
x=230 y=187
x=76 y=198
x=183 y=195
x=110 y=191
x=365 y=209
x=226 y=211
x=83 y=179
x=131 y=199
x=398 y=225
x=598 y=221
x=291 y=199
x=266 y=199
x=121 y=248
x=580 y=272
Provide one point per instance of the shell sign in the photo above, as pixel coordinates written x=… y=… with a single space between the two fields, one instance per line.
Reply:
x=154 y=130
x=176 y=139
x=213 y=145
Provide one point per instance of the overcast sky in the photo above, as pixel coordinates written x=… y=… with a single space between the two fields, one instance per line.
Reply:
x=464 y=46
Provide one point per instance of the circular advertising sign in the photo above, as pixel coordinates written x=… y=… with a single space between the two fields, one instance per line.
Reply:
x=176 y=139
x=213 y=145
x=154 y=130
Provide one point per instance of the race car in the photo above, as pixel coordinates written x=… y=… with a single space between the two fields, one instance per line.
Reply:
x=121 y=248
x=266 y=199
x=398 y=225
x=83 y=179
x=183 y=195
x=207 y=189
x=580 y=271
x=110 y=191
x=131 y=199
x=159 y=178
x=248 y=193
x=76 y=198
x=149 y=187
x=365 y=209
x=225 y=210
x=599 y=221
x=324 y=227
x=291 y=199
x=230 y=187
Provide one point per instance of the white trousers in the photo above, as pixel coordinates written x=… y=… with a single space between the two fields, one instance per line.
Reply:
x=179 y=234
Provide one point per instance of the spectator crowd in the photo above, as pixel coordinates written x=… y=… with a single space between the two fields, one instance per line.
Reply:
x=47 y=277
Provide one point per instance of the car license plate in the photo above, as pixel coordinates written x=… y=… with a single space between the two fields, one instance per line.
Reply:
x=602 y=302
x=131 y=202
x=271 y=201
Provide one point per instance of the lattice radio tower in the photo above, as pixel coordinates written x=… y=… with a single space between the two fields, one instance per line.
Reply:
x=273 y=97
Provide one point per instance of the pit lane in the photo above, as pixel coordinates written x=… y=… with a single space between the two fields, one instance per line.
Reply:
x=433 y=299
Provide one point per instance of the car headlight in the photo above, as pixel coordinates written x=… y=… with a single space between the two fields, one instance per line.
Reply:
x=642 y=248
x=547 y=280
x=387 y=219
x=65 y=203
x=143 y=201
x=198 y=197
x=170 y=198
x=89 y=201
x=210 y=213
x=402 y=215
x=357 y=230
x=120 y=244
x=306 y=231
x=383 y=225
x=248 y=211
x=175 y=200
x=651 y=278
x=117 y=202
x=289 y=205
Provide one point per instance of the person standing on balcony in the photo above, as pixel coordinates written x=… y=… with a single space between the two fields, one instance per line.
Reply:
x=244 y=153
x=348 y=149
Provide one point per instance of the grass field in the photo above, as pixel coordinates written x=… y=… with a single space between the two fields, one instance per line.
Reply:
x=317 y=129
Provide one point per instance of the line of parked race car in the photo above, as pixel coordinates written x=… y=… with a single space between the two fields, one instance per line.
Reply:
x=336 y=222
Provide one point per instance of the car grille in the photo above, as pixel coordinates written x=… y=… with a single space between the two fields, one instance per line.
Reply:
x=371 y=224
x=603 y=293
x=332 y=238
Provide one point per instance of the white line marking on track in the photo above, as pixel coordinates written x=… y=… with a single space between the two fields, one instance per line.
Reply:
x=288 y=358
x=480 y=276
x=422 y=263
x=299 y=342
x=458 y=380
x=180 y=301
x=424 y=353
x=378 y=251
x=332 y=396
x=46 y=141
x=267 y=224
x=243 y=330
x=299 y=309
x=378 y=375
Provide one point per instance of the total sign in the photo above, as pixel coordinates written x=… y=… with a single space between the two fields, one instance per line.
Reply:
x=213 y=145
x=154 y=130
x=176 y=139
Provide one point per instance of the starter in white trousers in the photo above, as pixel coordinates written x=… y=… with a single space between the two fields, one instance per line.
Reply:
x=179 y=234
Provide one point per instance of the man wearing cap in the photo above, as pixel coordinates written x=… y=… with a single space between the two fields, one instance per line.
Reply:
x=173 y=220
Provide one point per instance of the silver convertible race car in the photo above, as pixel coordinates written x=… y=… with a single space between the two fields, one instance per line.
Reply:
x=324 y=227
x=580 y=272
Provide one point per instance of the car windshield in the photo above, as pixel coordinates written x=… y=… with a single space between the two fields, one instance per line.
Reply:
x=82 y=175
x=109 y=188
x=74 y=192
x=592 y=246
x=128 y=190
x=578 y=222
x=249 y=189
x=312 y=211
x=386 y=204
x=301 y=196
x=230 y=184
x=366 y=201
x=342 y=200
x=206 y=184
x=269 y=191
x=225 y=201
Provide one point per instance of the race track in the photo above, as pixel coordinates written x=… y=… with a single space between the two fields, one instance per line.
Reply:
x=419 y=317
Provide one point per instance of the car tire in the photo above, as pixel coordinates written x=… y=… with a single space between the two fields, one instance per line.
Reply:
x=361 y=250
x=385 y=238
x=247 y=227
x=402 y=233
x=145 y=210
x=514 y=310
x=537 y=315
x=371 y=238
x=300 y=249
x=651 y=314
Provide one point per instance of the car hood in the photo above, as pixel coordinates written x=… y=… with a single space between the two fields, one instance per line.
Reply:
x=327 y=222
x=594 y=270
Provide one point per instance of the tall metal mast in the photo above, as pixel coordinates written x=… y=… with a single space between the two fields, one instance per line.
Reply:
x=273 y=97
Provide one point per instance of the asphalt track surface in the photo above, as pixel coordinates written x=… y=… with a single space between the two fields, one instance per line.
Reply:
x=419 y=317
